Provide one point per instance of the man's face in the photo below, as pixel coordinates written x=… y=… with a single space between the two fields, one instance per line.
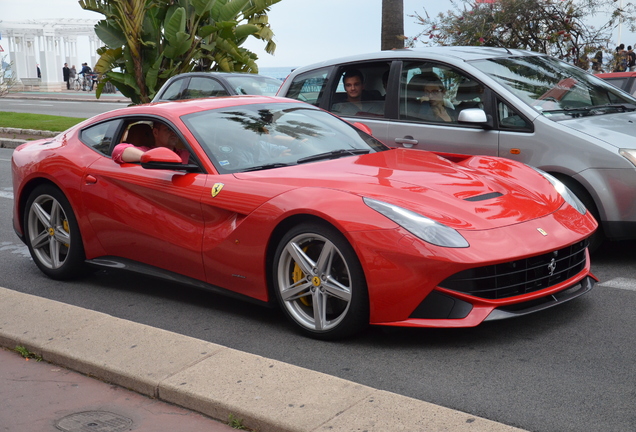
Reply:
x=164 y=137
x=353 y=87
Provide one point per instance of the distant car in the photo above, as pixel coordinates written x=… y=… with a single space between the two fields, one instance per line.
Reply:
x=625 y=81
x=282 y=202
x=195 y=85
x=517 y=104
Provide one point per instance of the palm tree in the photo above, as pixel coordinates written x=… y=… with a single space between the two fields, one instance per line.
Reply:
x=148 y=41
x=392 y=24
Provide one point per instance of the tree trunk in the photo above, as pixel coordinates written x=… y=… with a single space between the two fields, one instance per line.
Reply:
x=392 y=24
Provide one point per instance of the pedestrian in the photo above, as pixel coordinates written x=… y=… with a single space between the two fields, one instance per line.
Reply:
x=66 y=73
x=39 y=72
x=597 y=63
x=72 y=73
x=620 y=59
x=631 y=59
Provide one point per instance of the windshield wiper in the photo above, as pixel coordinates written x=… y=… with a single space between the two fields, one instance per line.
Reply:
x=624 y=107
x=333 y=155
x=266 y=166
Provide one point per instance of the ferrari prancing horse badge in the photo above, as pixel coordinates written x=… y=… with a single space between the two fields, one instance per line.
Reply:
x=216 y=189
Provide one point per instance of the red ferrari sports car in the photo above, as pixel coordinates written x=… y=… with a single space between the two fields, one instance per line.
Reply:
x=277 y=201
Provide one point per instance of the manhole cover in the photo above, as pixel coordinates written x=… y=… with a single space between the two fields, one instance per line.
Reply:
x=94 y=421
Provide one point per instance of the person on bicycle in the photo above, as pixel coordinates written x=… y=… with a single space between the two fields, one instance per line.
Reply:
x=86 y=78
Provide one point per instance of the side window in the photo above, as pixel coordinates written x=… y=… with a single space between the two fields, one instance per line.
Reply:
x=361 y=90
x=201 y=87
x=173 y=92
x=309 y=87
x=100 y=136
x=435 y=93
x=509 y=119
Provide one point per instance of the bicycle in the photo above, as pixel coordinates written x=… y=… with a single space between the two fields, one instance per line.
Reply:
x=76 y=84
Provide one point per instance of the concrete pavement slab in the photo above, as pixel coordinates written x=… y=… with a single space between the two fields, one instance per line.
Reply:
x=43 y=397
x=268 y=395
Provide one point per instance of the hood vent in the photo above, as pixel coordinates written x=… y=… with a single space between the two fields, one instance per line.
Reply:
x=484 y=197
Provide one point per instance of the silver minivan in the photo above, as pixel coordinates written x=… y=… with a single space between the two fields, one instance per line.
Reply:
x=517 y=104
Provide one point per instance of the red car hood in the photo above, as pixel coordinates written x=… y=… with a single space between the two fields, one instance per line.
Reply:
x=479 y=192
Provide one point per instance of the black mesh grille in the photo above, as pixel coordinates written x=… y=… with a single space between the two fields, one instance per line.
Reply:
x=522 y=276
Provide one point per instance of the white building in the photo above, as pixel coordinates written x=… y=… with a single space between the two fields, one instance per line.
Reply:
x=48 y=43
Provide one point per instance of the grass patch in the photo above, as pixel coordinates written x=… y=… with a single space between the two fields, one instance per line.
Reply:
x=37 y=121
x=26 y=353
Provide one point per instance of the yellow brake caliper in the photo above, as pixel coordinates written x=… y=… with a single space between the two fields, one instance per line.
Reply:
x=66 y=228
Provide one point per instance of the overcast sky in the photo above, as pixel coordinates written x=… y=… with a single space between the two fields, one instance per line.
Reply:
x=305 y=31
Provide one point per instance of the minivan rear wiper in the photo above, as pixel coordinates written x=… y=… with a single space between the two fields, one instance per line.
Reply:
x=333 y=155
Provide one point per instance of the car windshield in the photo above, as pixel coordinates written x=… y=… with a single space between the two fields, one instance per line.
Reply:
x=254 y=85
x=554 y=88
x=255 y=137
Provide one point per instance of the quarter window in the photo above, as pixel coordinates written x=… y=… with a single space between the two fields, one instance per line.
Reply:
x=309 y=87
x=100 y=136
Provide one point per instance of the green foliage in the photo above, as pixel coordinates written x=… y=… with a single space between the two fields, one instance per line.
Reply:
x=37 y=121
x=148 y=41
x=27 y=354
x=554 y=27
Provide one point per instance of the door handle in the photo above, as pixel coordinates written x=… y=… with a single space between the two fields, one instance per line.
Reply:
x=89 y=179
x=408 y=141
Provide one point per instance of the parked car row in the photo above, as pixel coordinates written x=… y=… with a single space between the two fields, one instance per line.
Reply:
x=278 y=201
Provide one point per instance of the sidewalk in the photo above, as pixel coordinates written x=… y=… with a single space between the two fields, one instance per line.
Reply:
x=216 y=381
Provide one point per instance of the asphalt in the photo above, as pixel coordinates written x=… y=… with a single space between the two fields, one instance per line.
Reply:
x=102 y=373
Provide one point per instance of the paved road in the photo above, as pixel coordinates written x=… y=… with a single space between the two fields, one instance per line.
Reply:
x=78 y=108
x=565 y=369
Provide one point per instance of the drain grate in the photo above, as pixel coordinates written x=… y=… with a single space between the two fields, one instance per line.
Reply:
x=94 y=421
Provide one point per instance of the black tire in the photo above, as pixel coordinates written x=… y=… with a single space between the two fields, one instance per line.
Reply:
x=596 y=239
x=315 y=266
x=52 y=234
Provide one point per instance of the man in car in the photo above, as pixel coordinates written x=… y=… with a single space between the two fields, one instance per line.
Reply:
x=353 y=81
x=162 y=135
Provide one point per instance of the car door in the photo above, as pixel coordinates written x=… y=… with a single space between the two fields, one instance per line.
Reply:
x=151 y=216
x=417 y=125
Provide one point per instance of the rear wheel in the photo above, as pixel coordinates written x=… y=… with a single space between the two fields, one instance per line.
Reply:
x=319 y=282
x=52 y=233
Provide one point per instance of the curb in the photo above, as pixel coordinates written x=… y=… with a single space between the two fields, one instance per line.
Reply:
x=269 y=395
x=12 y=143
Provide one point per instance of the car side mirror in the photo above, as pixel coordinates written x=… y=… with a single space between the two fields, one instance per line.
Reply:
x=475 y=116
x=164 y=158
x=472 y=115
x=364 y=128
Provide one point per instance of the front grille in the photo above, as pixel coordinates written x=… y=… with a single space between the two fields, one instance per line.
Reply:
x=522 y=276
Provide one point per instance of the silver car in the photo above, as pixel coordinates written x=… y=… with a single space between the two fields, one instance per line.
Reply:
x=517 y=104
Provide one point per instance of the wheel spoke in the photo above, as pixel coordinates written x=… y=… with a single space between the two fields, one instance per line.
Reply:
x=326 y=258
x=320 y=310
x=296 y=291
x=54 y=253
x=41 y=240
x=62 y=236
x=335 y=289
x=305 y=263
x=42 y=215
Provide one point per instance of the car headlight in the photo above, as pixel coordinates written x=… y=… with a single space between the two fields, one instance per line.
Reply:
x=563 y=190
x=424 y=228
x=629 y=154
